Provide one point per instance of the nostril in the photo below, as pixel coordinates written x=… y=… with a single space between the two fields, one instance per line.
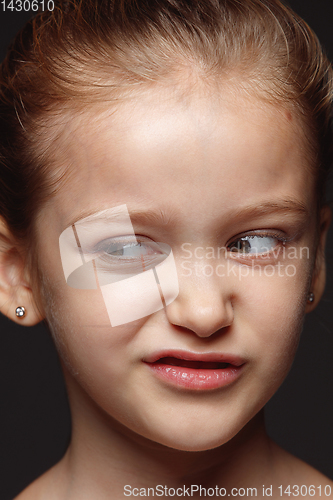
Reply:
x=203 y=320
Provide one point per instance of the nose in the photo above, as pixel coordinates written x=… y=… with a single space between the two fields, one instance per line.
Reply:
x=204 y=305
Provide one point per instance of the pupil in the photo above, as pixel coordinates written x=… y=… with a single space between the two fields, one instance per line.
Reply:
x=121 y=251
x=246 y=246
x=241 y=246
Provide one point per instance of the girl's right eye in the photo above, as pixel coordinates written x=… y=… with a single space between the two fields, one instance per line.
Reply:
x=133 y=255
x=133 y=250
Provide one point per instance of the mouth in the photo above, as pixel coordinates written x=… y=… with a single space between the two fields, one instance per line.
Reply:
x=196 y=365
x=195 y=371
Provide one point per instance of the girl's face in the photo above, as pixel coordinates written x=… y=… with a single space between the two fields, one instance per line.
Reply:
x=197 y=174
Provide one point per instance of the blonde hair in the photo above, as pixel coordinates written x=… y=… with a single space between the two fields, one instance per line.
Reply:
x=89 y=51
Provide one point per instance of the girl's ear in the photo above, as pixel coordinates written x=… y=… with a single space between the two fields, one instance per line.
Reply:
x=319 y=271
x=15 y=289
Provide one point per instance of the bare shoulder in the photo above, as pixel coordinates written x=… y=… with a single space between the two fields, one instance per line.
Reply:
x=35 y=490
x=300 y=478
x=49 y=486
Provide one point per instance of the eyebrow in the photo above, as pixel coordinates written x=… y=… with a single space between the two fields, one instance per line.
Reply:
x=136 y=216
x=153 y=216
x=284 y=206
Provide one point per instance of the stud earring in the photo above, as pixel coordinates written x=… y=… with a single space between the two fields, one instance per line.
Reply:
x=20 y=312
x=311 y=297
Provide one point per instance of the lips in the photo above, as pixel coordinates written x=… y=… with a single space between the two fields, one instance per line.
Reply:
x=195 y=371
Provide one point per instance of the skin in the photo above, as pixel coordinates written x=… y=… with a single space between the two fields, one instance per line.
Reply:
x=204 y=163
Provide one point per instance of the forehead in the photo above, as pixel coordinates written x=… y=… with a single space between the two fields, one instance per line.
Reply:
x=216 y=151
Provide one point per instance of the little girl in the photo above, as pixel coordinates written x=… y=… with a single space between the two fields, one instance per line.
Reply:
x=163 y=165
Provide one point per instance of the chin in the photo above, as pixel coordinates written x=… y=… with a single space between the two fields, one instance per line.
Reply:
x=195 y=446
x=193 y=443
x=192 y=437
x=203 y=436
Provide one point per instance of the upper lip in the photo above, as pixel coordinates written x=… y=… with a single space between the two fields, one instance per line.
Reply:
x=212 y=357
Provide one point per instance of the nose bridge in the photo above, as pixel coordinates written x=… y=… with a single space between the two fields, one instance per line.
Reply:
x=204 y=303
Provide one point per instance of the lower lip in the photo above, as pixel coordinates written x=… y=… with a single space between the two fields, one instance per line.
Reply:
x=196 y=379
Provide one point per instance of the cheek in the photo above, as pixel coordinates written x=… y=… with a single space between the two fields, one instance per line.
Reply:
x=81 y=329
x=272 y=311
x=102 y=359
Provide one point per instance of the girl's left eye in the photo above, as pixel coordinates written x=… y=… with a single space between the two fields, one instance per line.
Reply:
x=254 y=244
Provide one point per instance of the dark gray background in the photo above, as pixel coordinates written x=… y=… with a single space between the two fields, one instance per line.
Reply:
x=35 y=421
